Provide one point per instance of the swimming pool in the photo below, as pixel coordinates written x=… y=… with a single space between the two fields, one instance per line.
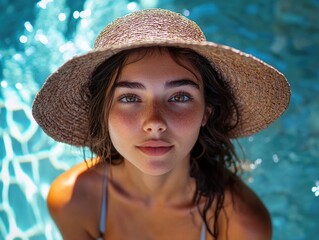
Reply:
x=281 y=162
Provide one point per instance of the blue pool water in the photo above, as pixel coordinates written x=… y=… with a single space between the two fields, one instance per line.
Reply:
x=282 y=162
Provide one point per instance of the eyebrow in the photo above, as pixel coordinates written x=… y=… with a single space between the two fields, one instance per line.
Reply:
x=181 y=82
x=169 y=84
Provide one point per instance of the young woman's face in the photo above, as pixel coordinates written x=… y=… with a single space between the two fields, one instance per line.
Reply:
x=157 y=111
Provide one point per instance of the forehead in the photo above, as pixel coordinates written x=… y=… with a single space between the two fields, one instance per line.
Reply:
x=158 y=59
x=140 y=53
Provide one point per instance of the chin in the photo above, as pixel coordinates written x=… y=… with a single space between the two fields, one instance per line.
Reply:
x=156 y=168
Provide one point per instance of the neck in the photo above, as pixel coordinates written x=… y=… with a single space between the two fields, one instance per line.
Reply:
x=173 y=189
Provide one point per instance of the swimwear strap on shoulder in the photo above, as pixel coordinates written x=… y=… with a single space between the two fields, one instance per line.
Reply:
x=203 y=232
x=104 y=207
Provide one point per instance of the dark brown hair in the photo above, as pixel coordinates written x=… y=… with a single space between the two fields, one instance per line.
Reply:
x=213 y=155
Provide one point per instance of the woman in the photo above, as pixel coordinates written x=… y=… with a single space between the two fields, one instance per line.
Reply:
x=157 y=105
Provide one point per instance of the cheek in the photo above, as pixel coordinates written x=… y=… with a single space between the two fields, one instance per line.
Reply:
x=121 y=123
x=187 y=123
x=185 y=120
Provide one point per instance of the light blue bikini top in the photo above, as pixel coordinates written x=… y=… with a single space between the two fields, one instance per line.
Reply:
x=104 y=211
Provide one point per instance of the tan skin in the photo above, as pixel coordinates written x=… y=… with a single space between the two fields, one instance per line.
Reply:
x=150 y=194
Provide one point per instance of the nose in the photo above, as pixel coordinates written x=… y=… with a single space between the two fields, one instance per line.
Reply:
x=154 y=120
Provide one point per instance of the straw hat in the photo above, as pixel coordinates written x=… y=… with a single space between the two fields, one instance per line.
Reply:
x=261 y=92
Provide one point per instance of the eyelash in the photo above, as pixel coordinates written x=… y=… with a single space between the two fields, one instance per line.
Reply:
x=124 y=98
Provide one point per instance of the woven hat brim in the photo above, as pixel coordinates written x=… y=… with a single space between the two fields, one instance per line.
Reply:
x=261 y=92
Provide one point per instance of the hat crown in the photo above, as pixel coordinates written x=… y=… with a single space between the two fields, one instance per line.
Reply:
x=149 y=25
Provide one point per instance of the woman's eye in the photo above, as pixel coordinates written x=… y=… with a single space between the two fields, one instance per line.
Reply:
x=180 y=97
x=129 y=99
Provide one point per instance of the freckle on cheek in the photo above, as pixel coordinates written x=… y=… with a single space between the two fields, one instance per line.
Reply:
x=186 y=120
x=122 y=120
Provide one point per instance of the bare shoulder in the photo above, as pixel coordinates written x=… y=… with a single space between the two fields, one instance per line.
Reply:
x=244 y=216
x=70 y=201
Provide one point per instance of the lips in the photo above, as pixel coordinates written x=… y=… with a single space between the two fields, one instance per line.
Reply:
x=155 y=148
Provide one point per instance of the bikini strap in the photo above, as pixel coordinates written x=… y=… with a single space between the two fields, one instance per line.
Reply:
x=104 y=205
x=203 y=232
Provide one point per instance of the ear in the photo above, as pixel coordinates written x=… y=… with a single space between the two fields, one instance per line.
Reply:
x=208 y=112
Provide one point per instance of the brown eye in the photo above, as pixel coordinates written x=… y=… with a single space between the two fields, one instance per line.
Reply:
x=130 y=98
x=180 y=97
